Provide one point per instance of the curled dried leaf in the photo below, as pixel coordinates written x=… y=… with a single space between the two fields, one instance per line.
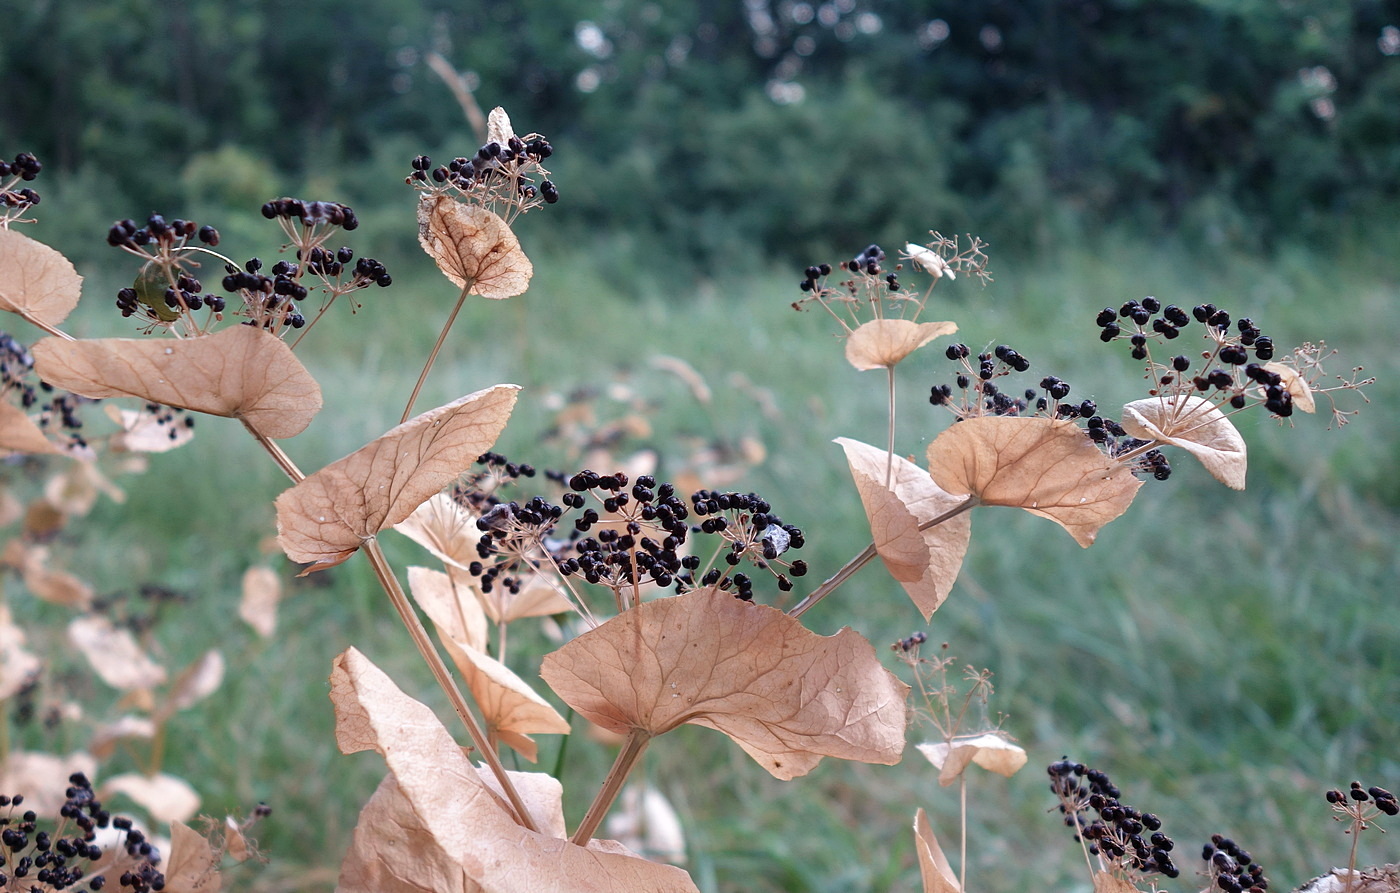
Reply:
x=786 y=695
x=19 y=433
x=937 y=874
x=498 y=129
x=195 y=682
x=36 y=282
x=262 y=591
x=1046 y=466
x=454 y=609
x=446 y=529
x=240 y=372
x=992 y=751
x=473 y=247
x=931 y=261
x=1295 y=385
x=193 y=866
x=114 y=653
x=164 y=797
x=327 y=517
x=512 y=710
x=882 y=343
x=1198 y=427
x=925 y=562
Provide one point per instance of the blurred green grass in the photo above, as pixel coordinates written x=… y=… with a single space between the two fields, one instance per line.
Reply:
x=1225 y=656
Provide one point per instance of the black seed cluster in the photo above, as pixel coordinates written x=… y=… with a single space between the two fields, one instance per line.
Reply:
x=492 y=165
x=158 y=232
x=16 y=366
x=25 y=167
x=1121 y=834
x=1232 y=868
x=868 y=261
x=910 y=643
x=813 y=275
x=270 y=300
x=331 y=265
x=61 y=859
x=747 y=522
x=170 y=289
x=314 y=213
x=640 y=542
x=1350 y=801
x=981 y=395
x=476 y=491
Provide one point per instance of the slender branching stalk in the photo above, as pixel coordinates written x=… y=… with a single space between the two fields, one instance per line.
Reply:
x=627 y=757
x=432 y=357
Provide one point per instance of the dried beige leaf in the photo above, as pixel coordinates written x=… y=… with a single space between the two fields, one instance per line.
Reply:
x=236 y=843
x=74 y=490
x=36 y=282
x=43 y=519
x=992 y=751
x=114 y=653
x=434 y=826
x=786 y=695
x=937 y=874
x=473 y=247
x=925 y=562
x=19 y=433
x=1295 y=385
x=512 y=710
x=42 y=777
x=699 y=388
x=18 y=665
x=327 y=517
x=882 y=343
x=454 y=609
x=1106 y=882
x=193 y=866
x=539 y=596
x=58 y=587
x=1046 y=466
x=195 y=682
x=164 y=797
x=446 y=529
x=1198 y=427
x=144 y=431
x=106 y=737
x=262 y=591
x=240 y=372
x=931 y=261
x=498 y=129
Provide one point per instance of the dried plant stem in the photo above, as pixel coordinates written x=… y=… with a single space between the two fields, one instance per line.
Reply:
x=889 y=448
x=627 y=757
x=432 y=357
x=57 y=333
x=284 y=462
x=425 y=646
x=848 y=570
x=962 y=830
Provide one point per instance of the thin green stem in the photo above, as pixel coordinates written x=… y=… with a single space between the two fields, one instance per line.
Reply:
x=627 y=757
x=432 y=357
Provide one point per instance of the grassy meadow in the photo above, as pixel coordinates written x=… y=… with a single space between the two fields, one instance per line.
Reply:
x=1225 y=656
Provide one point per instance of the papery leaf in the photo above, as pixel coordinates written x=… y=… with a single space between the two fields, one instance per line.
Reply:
x=262 y=591
x=43 y=519
x=786 y=695
x=937 y=874
x=147 y=431
x=498 y=129
x=434 y=826
x=1198 y=427
x=1295 y=385
x=164 y=797
x=195 y=682
x=74 y=490
x=18 y=665
x=926 y=563
x=443 y=527
x=1046 y=466
x=240 y=372
x=53 y=586
x=931 y=261
x=19 y=433
x=473 y=247
x=453 y=609
x=1106 y=882
x=992 y=751
x=193 y=866
x=114 y=653
x=105 y=737
x=539 y=596
x=511 y=709
x=329 y=515
x=36 y=282
x=41 y=777
x=882 y=343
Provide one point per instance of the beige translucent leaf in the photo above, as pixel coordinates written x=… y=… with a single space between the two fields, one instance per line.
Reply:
x=992 y=751
x=931 y=261
x=18 y=665
x=1048 y=467
x=645 y=822
x=882 y=343
x=195 y=682
x=236 y=843
x=19 y=433
x=1198 y=427
x=53 y=586
x=114 y=653
x=327 y=517
x=36 y=282
x=542 y=794
x=473 y=247
x=164 y=797
x=925 y=562
x=144 y=431
x=262 y=591
x=512 y=710
x=1296 y=385
x=1105 y=882
x=498 y=128
x=446 y=529
x=433 y=826
x=240 y=372
x=937 y=874
x=786 y=695
x=106 y=737
x=193 y=866
x=539 y=596
x=42 y=777
x=74 y=491
x=454 y=609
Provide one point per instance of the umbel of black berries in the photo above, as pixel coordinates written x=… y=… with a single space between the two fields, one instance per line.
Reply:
x=312 y=213
x=1121 y=834
x=868 y=261
x=1233 y=868
x=812 y=275
x=24 y=167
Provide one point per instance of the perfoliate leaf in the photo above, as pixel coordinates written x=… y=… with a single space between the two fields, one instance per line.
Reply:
x=114 y=653
x=444 y=528
x=473 y=247
x=882 y=343
x=36 y=282
x=1198 y=427
x=992 y=751
x=511 y=709
x=937 y=874
x=262 y=590
x=193 y=866
x=327 y=517
x=239 y=372
x=786 y=695
x=434 y=826
x=453 y=608
x=924 y=562
x=1046 y=466
x=19 y=434
x=164 y=797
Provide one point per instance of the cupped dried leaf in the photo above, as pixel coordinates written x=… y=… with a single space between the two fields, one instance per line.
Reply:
x=144 y=431
x=42 y=777
x=1198 y=427
x=454 y=609
x=512 y=710
x=240 y=372
x=443 y=527
x=498 y=129
x=992 y=751
x=106 y=737
x=195 y=682
x=18 y=665
x=164 y=797
x=786 y=695
x=931 y=261
x=434 y=826
x=882 y=343
x=36 y=282
x=114 y=653
x=327 y=517
x=193 y=866
x=925 y=562
x=19 y=433
x=937 y=874
x=1295 y=385
x=473 y=247
x=539 y=596
x=1046 y=466
x=1106 y=882
x=262 y=591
